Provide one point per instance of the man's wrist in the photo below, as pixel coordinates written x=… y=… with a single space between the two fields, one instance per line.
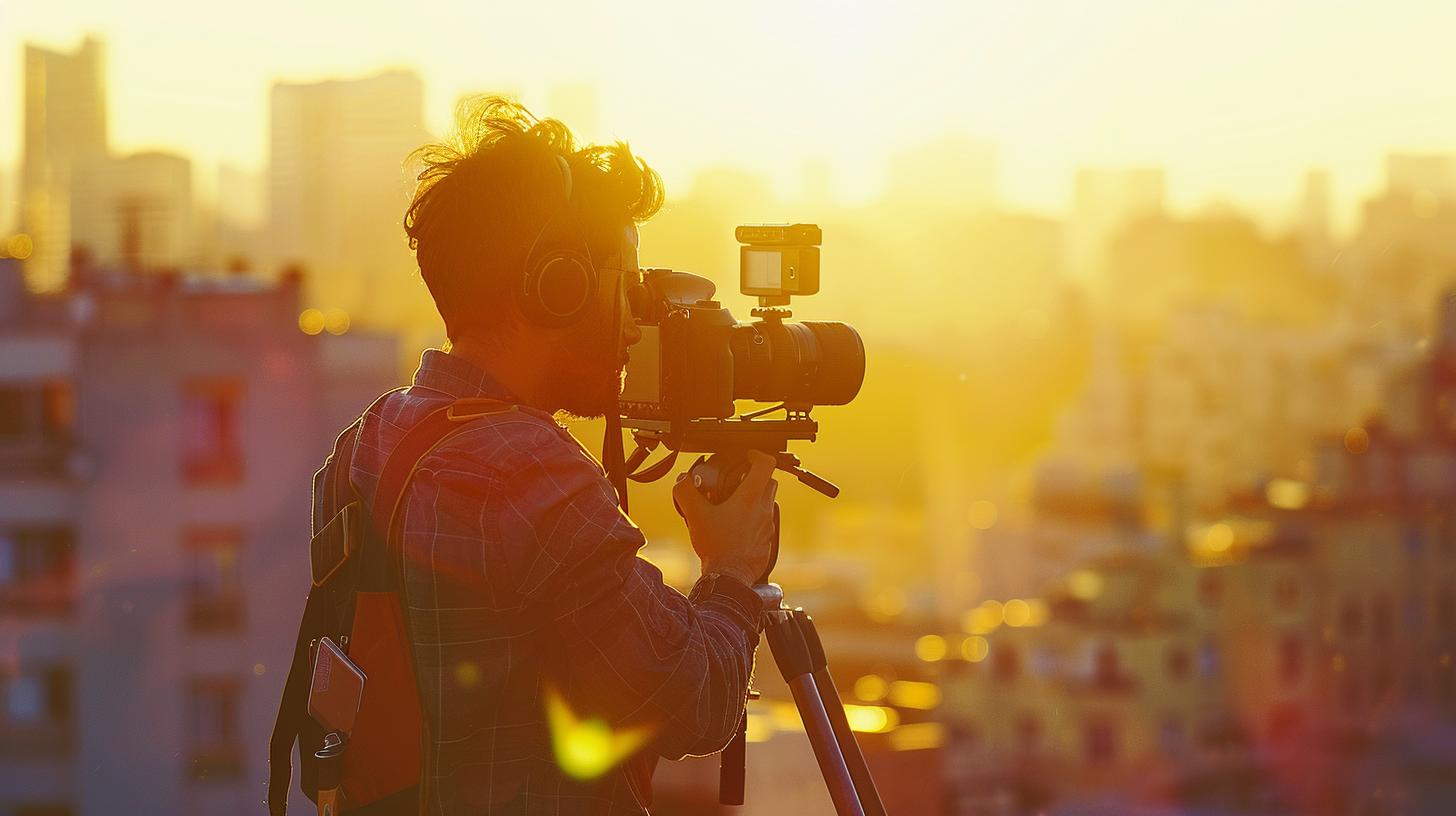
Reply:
x=729 y=593
x=729 y=571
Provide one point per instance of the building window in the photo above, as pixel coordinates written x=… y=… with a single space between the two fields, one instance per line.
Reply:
x=58 y=410
x=214 y=739
x=211 y=432
x=214 y=588
x=1101 y=741
x=1180 y=663
x=37 y=570
x=43 y=410
x=36 y=718
x=1291 y=659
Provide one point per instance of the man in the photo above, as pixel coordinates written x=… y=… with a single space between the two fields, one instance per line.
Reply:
x=522 y=585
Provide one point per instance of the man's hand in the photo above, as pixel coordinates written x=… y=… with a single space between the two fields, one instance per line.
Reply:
x=736 y=537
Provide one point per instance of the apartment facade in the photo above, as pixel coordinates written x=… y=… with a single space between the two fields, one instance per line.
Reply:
x=157 y=436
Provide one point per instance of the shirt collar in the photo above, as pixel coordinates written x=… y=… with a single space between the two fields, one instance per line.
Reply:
x=454 y=375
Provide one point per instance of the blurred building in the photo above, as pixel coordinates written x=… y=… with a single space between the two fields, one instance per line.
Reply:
x=953 y=173
x=157 y=439
x=1313 y=219
x=1292 y=653
x=1403 y=255
x=1104 y=203
x=65 y=150
x=153 y=223
x=1421 y=173
x=337 y=193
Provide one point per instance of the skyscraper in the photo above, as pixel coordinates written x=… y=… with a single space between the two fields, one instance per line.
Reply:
x=338 y=189
x=65 y=150
x=149 y=198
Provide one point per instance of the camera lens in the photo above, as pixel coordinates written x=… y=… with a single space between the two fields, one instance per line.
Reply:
x=810 y=362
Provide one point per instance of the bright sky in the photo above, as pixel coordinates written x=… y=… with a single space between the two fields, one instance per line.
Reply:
x=1235 y=98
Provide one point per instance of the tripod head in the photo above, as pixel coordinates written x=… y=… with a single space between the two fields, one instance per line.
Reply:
x=728 y=442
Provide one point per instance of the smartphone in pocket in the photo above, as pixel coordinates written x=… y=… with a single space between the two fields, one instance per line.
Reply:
x=336 y=690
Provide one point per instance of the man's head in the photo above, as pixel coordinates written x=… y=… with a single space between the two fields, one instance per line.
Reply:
x=499 y=199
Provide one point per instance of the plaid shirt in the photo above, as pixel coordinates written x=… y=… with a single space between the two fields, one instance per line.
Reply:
x=521 y=575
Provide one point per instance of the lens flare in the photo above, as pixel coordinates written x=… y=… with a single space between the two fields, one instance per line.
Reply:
x=586 y=748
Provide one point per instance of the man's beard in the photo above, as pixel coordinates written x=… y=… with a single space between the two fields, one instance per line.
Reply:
x=587 y=373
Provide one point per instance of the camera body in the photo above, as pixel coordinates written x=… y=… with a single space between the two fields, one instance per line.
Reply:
x=695 y=359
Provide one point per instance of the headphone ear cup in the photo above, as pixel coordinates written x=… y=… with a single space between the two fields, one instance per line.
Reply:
x=557 y=289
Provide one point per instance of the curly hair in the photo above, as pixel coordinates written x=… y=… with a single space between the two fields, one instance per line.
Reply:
x=484 y=194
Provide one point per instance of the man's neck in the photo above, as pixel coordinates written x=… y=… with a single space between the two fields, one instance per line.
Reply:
x=521 y=377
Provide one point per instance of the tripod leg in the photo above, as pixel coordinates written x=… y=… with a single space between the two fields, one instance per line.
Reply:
x=859 y=771
x=731 y=766
x=792 y=656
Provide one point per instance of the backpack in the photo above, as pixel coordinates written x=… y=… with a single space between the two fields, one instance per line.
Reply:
x=356 y=599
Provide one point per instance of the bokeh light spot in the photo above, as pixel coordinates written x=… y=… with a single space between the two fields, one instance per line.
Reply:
x=20 y=246
x=871 y=688
x=871 y=719
x=930 y=648
x=914 y=694
x=1357 y=440
x=1017 y=612
x=311 y=321
x=1287 y=494
x=1219 y=538
x=336 y=321
x=975 y=648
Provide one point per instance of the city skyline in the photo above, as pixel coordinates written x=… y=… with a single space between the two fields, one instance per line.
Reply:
x=1234 y=112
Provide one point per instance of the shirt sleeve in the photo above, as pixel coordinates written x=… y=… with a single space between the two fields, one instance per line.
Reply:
x=634 y=651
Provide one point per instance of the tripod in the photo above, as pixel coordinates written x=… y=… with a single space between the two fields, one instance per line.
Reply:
x=792 y=638
x=799 y=654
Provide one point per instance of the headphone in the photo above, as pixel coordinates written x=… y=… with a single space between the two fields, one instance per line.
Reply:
x=559 y=282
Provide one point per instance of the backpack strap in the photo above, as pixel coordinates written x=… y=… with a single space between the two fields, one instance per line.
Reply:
x=417 y=443
x=293 y=707
x=378 y=565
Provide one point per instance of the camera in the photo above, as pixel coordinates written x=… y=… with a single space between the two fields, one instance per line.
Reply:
x=695 y=359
